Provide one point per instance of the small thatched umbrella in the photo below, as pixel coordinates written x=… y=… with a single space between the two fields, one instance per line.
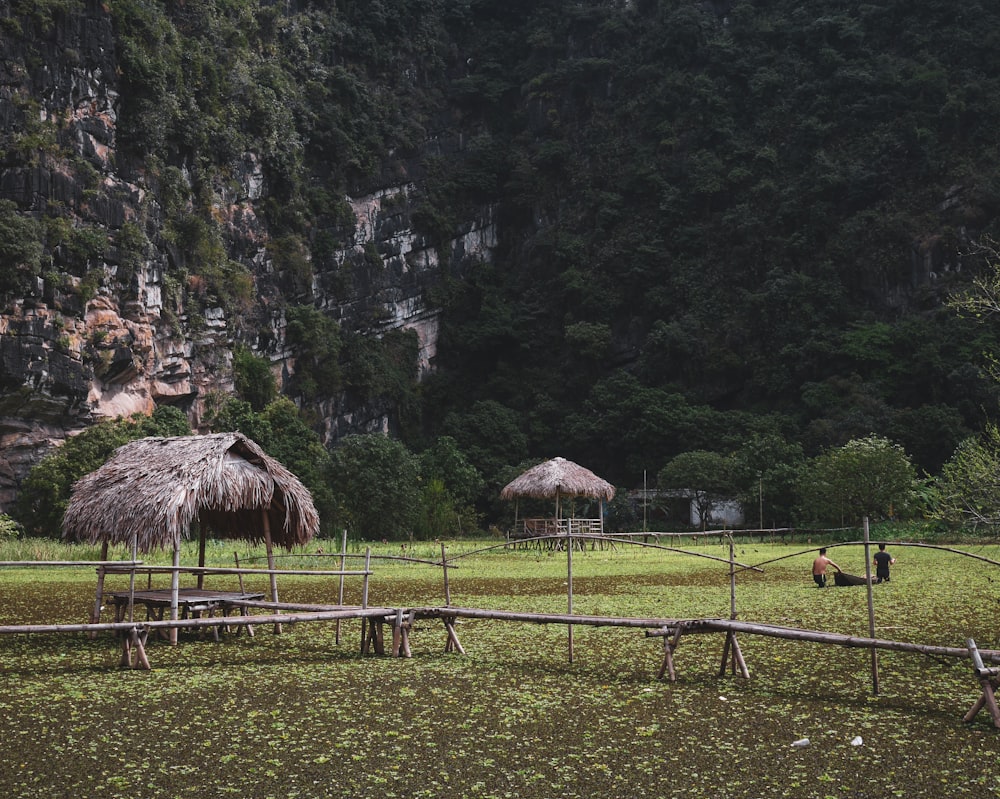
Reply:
x=151 y=491
x=559 y=478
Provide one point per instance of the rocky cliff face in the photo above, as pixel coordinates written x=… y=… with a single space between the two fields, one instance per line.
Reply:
x=103 y=314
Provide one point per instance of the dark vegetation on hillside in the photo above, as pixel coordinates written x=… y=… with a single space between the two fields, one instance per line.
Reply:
x=722 y=225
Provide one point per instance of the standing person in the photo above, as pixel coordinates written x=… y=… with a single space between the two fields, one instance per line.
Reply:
x=882 y=561
x=819 y=568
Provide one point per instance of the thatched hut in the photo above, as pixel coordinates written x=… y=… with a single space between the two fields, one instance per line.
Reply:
x=151 y=491
x=556 y=479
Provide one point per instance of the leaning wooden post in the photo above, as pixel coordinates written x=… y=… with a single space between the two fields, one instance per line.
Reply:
x=175 y=585
x=95 y=616
x=269 y=544
x=871 y=607
x=239 y=575
x=202 y=536
x=340 y=591
x=988 y=697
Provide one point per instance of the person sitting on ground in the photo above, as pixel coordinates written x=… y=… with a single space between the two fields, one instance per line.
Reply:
x=819 y=568
x=882 y=560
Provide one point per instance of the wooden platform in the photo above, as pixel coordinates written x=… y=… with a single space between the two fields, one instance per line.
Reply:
x=192 y=603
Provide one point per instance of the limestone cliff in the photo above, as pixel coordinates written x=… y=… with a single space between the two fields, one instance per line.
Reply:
x=108 y=306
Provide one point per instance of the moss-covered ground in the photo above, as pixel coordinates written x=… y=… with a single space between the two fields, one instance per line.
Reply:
x=296 y=715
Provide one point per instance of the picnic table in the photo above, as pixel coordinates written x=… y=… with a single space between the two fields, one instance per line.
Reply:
x=191 y=603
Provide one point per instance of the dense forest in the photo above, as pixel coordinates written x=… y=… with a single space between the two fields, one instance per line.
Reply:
x=730 y=227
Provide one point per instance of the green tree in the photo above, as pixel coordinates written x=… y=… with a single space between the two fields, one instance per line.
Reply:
x=284 y=435
x=968 y=488
x=450 y=488
x=490 y=435
x=446 y=462
x=768 y=467
x=20 y=248
x=45 y=492
x=869 y=476
x=709 y=476
x=252 y=378
x=376 y=484
x=437 y=514
x=316 y=338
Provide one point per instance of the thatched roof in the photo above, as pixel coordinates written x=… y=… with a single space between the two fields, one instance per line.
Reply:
x=558 y=478
x=155 y=488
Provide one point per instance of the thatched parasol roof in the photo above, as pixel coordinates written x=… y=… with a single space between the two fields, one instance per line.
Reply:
x=155 y=488
x=558 y=478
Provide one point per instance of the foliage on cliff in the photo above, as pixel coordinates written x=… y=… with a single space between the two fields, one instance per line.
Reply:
x=717 y=222
x=734 y=218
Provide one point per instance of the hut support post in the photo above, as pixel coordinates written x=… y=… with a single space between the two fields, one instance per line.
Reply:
x=871 y=607
x=987 y=680
x=340 y=590
x=175 y=585
x=95 y=617
x=270 y=562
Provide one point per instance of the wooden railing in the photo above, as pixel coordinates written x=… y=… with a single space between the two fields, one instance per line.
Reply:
x=530 y=528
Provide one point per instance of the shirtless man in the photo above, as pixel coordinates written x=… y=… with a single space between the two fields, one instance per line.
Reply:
x=819 y=568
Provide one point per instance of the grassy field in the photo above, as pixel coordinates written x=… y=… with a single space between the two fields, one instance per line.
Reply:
x=296 y=715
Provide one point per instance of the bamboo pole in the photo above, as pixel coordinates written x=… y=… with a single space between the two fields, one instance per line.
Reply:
x=670 y=642
x=738 y=661
x=340 y=590
x=894 y=544
x=140 y=569
x=871 y=604
x=269 y=544
x=444 y=569
x=236 y=559
x=131 y=579
x=364 y=590
x=175 y=585
x=202 y=536
x=109 y=564
x=837 y=639
x=207 y=621
x=732 y=578
x=95 y=616
x=397 y=634
x=569 y=578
